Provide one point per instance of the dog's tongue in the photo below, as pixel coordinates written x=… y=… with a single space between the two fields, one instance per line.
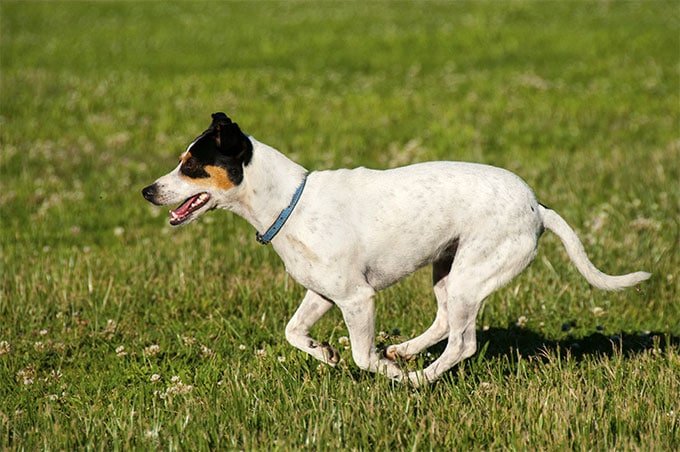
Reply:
x=184 y=208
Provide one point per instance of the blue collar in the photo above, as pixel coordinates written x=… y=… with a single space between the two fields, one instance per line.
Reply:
x=274 y=229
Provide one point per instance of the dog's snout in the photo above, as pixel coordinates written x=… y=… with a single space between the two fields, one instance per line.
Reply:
x=149 y=193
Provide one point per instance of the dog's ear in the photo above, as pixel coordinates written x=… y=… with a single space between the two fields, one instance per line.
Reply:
x=231 y=142
x=220 y=117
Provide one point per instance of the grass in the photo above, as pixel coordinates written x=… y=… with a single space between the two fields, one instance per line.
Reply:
x=98 y=294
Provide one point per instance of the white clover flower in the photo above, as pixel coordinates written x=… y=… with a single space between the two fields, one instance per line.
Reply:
x=5 y=348
x=521 y=321
x=207 y=352
x=184 y=389
x=110 y=327
x=120 y=351
x=153 y=433
x=188 y=340
x=178 y=387
x=152 y=350
x=154 y=378
x=26 y=375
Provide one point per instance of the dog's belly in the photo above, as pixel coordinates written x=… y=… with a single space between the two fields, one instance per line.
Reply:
x=386 y=270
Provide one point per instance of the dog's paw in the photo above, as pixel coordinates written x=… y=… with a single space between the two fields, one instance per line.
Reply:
x=392 y=353
x=330 y=355
x=416 y=379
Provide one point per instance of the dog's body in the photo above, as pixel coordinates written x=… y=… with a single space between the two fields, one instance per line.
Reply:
x=354 y=232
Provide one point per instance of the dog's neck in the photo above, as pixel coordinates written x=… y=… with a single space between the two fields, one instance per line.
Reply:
x=269 y=182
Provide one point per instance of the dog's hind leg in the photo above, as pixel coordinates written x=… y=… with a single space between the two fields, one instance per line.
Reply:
x=440 y=327
x=311 y=309
x=479 y=269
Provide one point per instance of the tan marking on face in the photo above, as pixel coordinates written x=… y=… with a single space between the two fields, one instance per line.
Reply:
x=184 y=156
x=218 y=178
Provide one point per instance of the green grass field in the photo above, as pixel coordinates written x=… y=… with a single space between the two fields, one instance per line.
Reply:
x=118 y=332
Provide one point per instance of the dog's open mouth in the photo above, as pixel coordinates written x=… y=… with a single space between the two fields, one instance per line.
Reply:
x=191 y=205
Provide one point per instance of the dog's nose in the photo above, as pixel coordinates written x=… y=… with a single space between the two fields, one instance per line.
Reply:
x=149 y=192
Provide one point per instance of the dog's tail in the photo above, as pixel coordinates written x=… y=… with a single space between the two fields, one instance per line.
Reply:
x=554 y=222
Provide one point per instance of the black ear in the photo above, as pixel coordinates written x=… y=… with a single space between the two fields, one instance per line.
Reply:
x=231 y=142
x=220 y=117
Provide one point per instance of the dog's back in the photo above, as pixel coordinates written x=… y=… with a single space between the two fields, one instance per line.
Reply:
x=417 y=211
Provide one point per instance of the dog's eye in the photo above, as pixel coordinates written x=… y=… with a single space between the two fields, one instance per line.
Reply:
x=190 y=166
x=193 y=168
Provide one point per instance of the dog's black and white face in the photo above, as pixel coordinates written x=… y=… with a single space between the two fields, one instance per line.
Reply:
x=208 y=171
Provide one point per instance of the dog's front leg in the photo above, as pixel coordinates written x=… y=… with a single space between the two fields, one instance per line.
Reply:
x=359 y=314
x=312 y=308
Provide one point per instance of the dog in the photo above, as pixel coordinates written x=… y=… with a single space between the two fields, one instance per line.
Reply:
x=346 y=234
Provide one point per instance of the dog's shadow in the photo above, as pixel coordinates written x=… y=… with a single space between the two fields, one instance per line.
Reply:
x=513 y=341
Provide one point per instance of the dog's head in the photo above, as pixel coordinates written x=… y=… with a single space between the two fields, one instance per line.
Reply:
x=208 y=172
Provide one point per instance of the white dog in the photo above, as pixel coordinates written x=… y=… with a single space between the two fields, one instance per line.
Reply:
x=345 y=234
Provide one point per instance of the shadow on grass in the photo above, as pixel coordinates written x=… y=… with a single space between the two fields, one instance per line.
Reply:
x=509 y=342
